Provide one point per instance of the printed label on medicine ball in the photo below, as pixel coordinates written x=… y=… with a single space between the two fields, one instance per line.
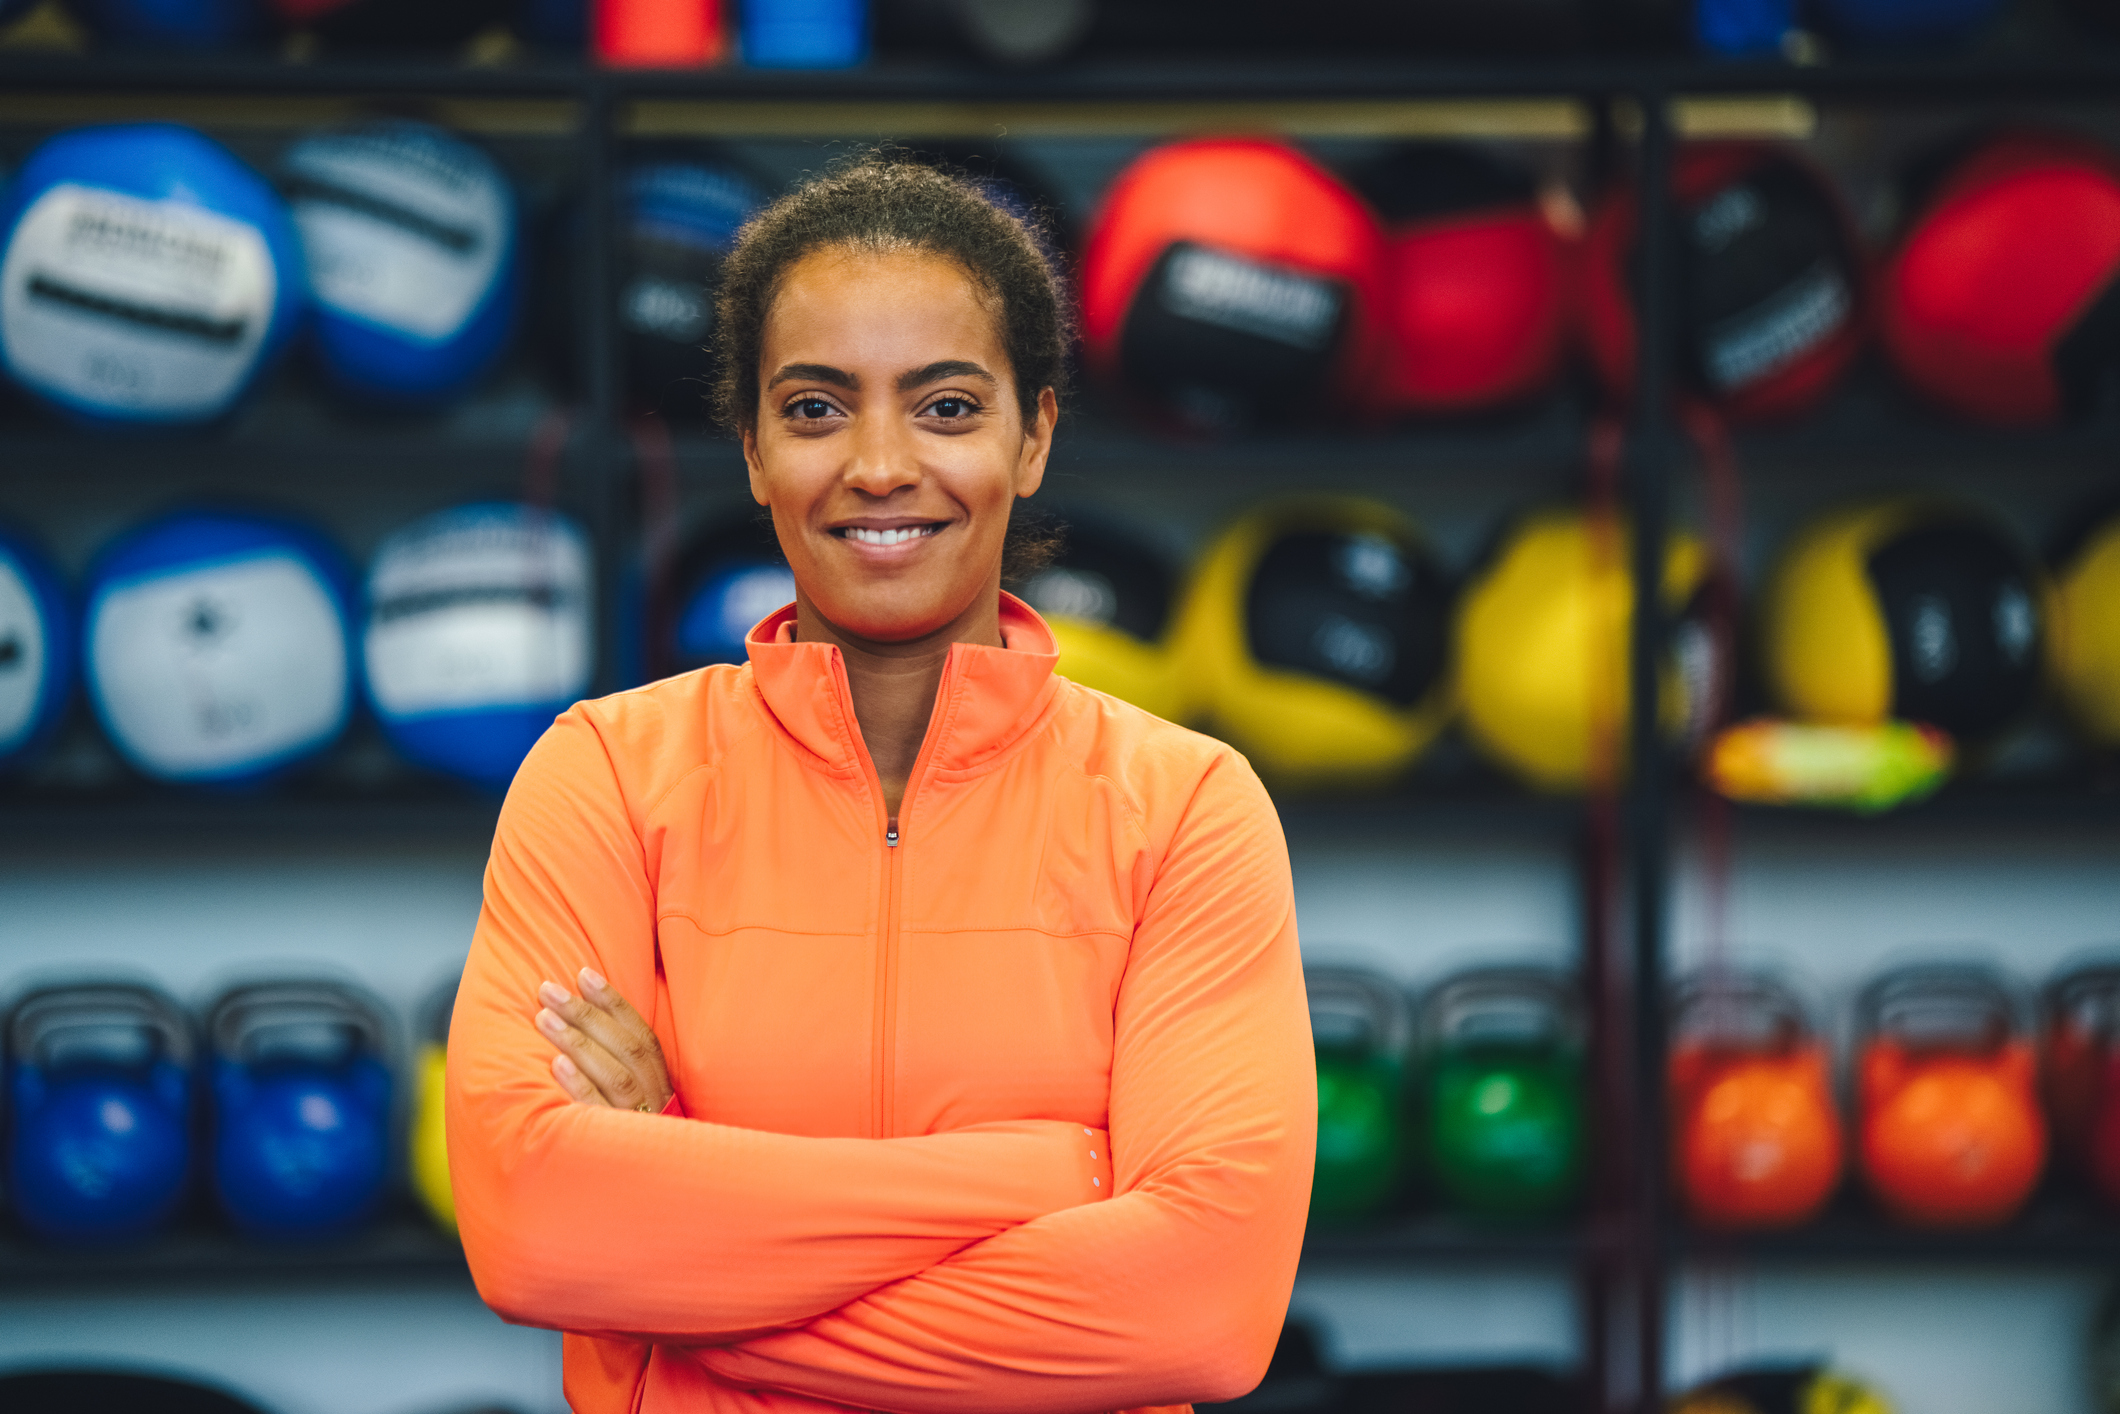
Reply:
x=1104 y=580
x=1963 y=625
x=720 y=612
x=1361 y=610
x=487 y=608
x=402 y=228
x=222 y=667
x=23 y=660
x=1769 y=278
x=1227 y=325
x=677 y=311
x=154 y=308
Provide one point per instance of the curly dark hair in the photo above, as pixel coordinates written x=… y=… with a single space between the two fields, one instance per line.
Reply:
x=890 y=199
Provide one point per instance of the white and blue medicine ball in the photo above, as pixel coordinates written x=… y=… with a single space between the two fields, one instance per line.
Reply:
x=727 y=580
x=414 y=250
x=478 y=635
x=36 y=649
x=680 y=222
x=148 y=275
x=217 y=646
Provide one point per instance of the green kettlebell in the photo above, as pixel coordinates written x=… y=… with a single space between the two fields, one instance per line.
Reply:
x=1360 y=1025
x=1502 y=1091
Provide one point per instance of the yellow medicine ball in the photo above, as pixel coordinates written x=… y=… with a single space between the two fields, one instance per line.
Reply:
x=1316 y=631
x=1542 y=637
x=1109 y=598
x=1784 y=1390
x=1909 y=608
x=2084 y=645
x=430 y=1137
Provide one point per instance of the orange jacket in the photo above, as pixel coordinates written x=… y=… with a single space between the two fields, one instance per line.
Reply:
x=900 y=1063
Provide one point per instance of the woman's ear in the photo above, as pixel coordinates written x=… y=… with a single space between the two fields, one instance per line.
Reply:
x=749 y=437
x=1037 y=444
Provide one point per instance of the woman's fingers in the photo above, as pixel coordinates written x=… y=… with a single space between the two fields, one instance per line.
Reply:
x=577 y=1085
x=614 y=1082
x=612 y=1048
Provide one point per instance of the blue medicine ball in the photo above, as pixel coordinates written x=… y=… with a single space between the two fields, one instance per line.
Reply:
x=478 y=634
x=169 y=24
x=727 y=579
x=36 y=649
x=217 y=646
x=301 y=1107
x=148 y=276
x=1907 y=23
x=99 y=1092
x=414 y=250
x=680 y=221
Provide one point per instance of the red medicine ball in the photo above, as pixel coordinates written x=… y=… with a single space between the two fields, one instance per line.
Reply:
x=2000 y=301
x=1233 y=279
x=1475 y=305
x=1771 y=295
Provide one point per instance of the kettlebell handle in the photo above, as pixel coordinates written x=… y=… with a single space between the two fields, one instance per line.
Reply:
x=1373 y=1003
x=1749 y=1009
x=45 y=1015
x=2086 y=1000
x=243 y=1014
x=1938 y=1005
x=1520 y=1004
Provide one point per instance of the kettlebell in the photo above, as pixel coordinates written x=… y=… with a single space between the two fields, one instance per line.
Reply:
x=1360 y=1026
x=1502 y=1091
x=100 y=1080
x=1952 y=1135
x=301 y=1095
x=430 y=1135
x=2082 y=1073
x=1756 y=1139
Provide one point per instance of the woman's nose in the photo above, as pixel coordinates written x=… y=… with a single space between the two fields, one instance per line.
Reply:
x=883 y=457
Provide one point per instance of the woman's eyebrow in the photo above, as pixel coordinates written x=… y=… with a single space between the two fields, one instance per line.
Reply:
x=944 y=368
x=817 y=373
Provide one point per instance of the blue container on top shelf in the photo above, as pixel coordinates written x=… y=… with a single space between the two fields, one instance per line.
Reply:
x=805 y=34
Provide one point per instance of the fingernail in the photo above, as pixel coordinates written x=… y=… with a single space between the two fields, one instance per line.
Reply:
x=552 y=994
x=565 y=1067
x=592 y=981
x=549 y=1023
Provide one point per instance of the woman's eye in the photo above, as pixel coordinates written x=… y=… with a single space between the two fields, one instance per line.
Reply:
x=811 y=408
x=952 y=407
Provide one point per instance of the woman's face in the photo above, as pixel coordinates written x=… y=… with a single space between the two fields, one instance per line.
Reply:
x=889 y=444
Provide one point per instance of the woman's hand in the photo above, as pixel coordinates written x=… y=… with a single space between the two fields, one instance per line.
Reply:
x=607 y=1054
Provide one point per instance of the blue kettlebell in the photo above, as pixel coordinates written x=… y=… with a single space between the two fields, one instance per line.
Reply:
x=301 y=1098
x=100 y=1080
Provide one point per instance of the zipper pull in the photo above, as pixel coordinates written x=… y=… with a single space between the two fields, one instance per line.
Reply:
x=890 y=838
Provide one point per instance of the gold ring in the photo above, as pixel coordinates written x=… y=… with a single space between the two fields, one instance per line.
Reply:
x=646 y=1107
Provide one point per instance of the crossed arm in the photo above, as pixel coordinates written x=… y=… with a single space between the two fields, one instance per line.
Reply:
x=977 y=1270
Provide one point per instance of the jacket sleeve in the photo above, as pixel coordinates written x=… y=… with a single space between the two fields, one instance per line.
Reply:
x=605 y=1221
x=1174 y=1290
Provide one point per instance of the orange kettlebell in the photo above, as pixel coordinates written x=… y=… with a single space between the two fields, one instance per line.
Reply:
x=1756 y=1138
x=2083 y=1073
x=1952 y=1135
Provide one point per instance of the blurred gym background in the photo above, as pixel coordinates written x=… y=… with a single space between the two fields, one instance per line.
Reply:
x=1753 y=1052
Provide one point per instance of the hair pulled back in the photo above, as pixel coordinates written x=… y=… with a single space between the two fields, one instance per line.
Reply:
x=886 y=201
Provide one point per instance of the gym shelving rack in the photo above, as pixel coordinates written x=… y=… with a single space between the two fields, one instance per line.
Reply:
x=1628 y=1239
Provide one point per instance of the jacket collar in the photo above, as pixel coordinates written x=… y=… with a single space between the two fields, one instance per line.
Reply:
x=988 y=699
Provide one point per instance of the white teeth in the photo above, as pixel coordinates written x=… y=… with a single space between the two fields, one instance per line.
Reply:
x=888 y=537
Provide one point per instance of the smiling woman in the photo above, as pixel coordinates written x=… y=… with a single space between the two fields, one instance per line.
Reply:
x=971 y=1068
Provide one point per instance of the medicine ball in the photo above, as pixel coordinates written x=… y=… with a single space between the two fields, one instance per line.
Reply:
x=412 y=242
x=679 y=219
x=728 y=578
x=1110 y=599
x=148 y=276
x=301 y=1106
x=1316 y=633
x=110 y=1392
x=396 y=24
x=1787 y=1389
x=99 y=1091
x=430 y=1127
x=1909 y=608
x=1770 y=297
x=2084 y=645
x=1542 y=639
x=477 y=634
x=1475 y=306
x=1999 y=302
x=216 y=646
x=36 y=649
x=1952 y=1134
x=168 y=24
x=1233 y=280
x=1906 y=24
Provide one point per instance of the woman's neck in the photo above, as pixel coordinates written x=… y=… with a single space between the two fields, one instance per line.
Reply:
x=894 y=684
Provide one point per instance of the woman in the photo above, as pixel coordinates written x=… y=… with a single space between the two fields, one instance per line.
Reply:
x=971 y=1068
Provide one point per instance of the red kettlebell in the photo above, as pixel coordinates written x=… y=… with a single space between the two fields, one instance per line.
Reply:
x=1952 y=1135
x=1756 y=1137
x=2083 y=1073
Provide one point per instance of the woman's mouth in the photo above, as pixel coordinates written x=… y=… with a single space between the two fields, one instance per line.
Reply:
x=895 y=535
